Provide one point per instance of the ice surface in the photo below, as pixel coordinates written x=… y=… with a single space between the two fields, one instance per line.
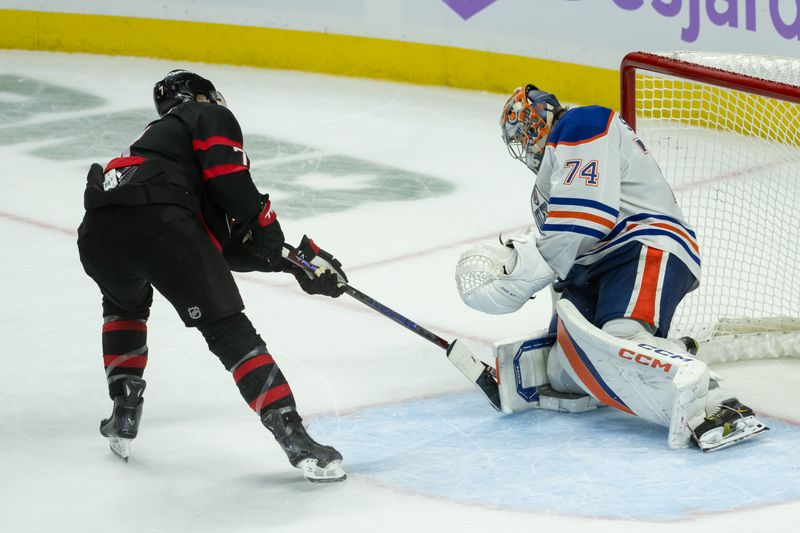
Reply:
x=396 y=180
x=544 y=460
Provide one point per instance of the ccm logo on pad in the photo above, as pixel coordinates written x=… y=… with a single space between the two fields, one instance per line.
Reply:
x=645 y=360
x=649 y=360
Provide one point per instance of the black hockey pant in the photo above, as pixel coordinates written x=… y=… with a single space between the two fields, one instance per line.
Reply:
x=129 y=250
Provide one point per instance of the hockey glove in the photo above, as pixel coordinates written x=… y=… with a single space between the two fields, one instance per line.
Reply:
x=258 y=246
x=329 y=277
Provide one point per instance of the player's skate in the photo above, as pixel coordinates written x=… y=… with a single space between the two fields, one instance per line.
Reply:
x=729 y=425
x=319 y=463
x=123 y=425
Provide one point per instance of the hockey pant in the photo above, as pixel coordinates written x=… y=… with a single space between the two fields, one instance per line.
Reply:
x=130 y=250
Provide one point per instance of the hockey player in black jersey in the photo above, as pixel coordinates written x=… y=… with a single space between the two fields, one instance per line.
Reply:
x=178 y=211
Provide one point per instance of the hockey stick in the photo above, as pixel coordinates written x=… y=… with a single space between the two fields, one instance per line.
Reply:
x=482 y=375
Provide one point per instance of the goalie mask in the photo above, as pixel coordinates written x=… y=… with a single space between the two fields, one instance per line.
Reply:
x=181 y=86
x=527 y=118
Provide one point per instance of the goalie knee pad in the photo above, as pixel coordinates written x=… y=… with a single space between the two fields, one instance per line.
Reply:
x=558 y=373
x=625 y=328
x=633 y=330
x=500 y=278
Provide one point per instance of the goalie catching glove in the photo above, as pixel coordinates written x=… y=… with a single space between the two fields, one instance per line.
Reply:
x=328 y=279
x=499 y=278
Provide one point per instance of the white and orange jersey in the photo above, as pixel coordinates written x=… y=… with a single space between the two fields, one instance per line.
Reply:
x=598 y=188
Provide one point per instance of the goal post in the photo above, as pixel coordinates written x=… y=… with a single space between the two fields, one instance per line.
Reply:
x=725 y=130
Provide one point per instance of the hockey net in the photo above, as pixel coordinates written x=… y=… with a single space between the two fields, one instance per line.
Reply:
x=725 y=131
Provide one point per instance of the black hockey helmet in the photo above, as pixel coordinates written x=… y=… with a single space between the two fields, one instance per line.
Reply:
x=180 y=86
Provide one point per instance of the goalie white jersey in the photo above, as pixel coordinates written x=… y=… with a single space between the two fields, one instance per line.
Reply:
x=598 y=188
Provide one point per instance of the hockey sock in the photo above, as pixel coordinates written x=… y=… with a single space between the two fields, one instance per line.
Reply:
x=243 y=353
x=261 y=383
x=124 y=350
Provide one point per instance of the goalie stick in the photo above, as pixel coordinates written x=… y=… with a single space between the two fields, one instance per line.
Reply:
x=482 y=375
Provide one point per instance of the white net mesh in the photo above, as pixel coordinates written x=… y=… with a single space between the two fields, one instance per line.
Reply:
x=780 y=69
x=733 y=159
x=473 y=272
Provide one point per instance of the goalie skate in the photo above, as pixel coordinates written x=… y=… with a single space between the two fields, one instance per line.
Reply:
x=731 y=424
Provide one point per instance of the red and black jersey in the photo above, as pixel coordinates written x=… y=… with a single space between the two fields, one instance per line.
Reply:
x=200 y=149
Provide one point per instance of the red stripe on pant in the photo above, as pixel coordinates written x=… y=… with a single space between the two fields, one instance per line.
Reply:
x=645 y=308
x=271 y=396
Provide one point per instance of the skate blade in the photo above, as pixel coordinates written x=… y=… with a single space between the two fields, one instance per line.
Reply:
x=121 y=447
x=742 y=434
x=333 y=471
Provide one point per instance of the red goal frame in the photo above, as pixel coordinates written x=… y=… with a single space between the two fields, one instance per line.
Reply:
x=674 y=67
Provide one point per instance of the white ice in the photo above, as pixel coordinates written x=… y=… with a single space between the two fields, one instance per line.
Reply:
x=424 y=452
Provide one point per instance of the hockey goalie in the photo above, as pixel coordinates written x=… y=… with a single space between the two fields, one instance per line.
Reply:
x=619 y=256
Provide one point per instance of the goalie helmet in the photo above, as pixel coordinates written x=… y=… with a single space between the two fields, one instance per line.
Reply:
x=527 y=118
x=180 y=86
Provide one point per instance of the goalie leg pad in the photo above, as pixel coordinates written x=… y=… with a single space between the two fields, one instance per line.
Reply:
x=566 y=402
x=523 y=370
x=690 y=389
x=661 y=386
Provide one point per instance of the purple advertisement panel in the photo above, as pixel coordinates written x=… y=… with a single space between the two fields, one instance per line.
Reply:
x=782 y=17
x=468 y=8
